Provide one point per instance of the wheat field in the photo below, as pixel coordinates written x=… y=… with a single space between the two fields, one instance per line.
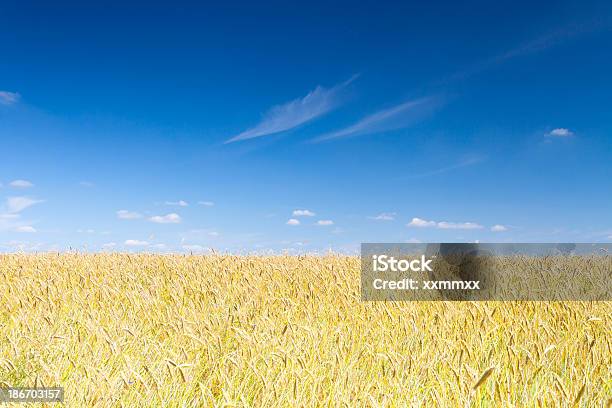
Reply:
x=238 y=331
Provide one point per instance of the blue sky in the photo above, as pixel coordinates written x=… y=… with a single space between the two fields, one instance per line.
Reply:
x=253 y=127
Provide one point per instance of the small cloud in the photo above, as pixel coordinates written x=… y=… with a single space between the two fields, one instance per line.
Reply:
x=206 y=203
x=297 y=112
x=109 y=245
x=420 y=223
x=135 y=242
x=303 y=213
x=128 y=215
x=25 y=228
x=325 y=223
x=21 y=184
x=413 y=241
x=499 y=228
x=213 y=234
x=18 y=204
x=87 y=184
x=384 y=217
x=179 y=203
x=560 y=132
x=9 y=98
x=172 y=218
x=293 y=221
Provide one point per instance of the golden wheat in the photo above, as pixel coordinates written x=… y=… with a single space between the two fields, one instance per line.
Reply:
x=153 y=330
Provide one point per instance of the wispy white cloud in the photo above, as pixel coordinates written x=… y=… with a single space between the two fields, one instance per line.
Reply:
x=135 y=243
x=179 y=203
x=499 y=228
x=303 y=213
x=297 y=112
x=293 y=221
x=386 y=216
x=25 y=228
x=109 y=245
x=9 y=98
x=86 y=184
x=206 y=203
x=560 y=132
x=21 y=184
x=128 y=215
x=396 y=117
x=421 y=223
x=552 y=39
x=18 y=204
x=172 y=218
x=325 y=223
x=538 y=44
